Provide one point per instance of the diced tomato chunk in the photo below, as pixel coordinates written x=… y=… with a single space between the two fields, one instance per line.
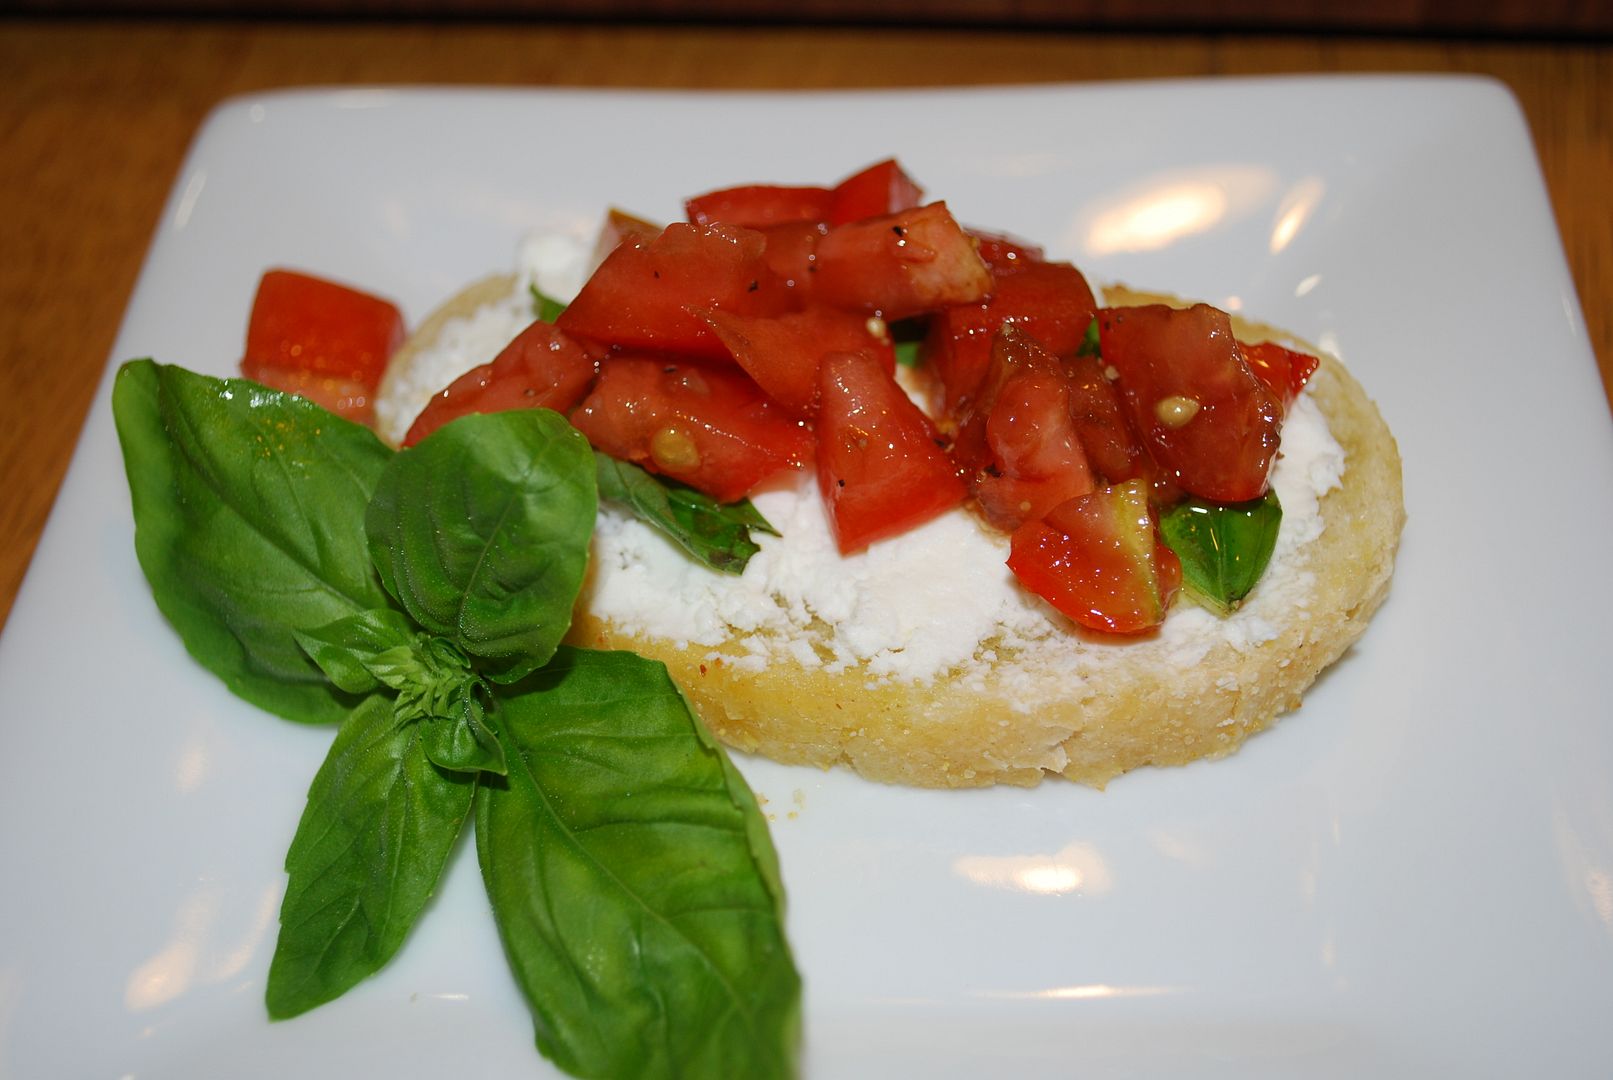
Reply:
x=1284 y=371
x=541 y=369
x=642 y=294
x=1203 y=416
x=1052 y=301
x=1004 y=254
x=1099 y=560
x=792 y=254
x=619 y=225
x=1100 y=421
x=756 y=205
x=783 y=353
x=325 y=341
x=1019 y=444
x=879 y=466
x=708 y=426
x=882 y=188
x=901 y=265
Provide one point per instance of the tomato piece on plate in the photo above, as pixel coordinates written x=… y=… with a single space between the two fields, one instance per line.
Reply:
x=882 y=188
x=783 y=353
x=642 y=294
x=1284 y=371
x=879 y=466
x=900 y=265
x=708 y=426
x=756 y=205
x=1052 y=301
x=1205 y=419
x=541 y=369
x=1100 y=421
x=1099 y=560
x=328 y=342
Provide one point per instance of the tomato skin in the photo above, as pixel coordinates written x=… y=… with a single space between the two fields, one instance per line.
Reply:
x=1099 y=560
x=882 y=188
x=900 y=265
x=1050 y=300
x=1284 y=371
x=880 y=470
x=758 y=205
x=792 y=254
x=541 y=369
x=641 y=295
x=782 y=353
x=328 y=342
x=1223 y=449
x=708 y=426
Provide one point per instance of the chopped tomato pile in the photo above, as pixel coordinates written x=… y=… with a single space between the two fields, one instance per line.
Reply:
x=757 y=337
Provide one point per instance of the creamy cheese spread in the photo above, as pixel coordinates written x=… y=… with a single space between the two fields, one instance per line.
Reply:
x=937 y=601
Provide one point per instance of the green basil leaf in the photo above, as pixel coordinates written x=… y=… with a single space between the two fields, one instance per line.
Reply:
x=907 y=353
x=1224 y=548
x=372 y=843
x=462 y=740
x=481 y=532
x=715 y=534
x=1089 y=341
x=633 y=881
x=248 y=508
x=545 y=306
x=351 y=649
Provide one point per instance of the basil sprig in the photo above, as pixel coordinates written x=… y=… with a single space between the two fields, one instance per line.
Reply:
x=715 y=534
x=1224 y=548
x=419 y=599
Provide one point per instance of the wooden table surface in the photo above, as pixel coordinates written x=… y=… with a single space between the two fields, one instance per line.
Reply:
x=95 y=117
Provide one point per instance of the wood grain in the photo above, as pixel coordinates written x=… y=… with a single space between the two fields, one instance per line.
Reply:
x=95 y=116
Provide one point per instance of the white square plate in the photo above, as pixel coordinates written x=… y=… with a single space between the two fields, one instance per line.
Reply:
x=1411 y=876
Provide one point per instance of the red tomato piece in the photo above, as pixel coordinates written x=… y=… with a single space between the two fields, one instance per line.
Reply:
x=325 y=341
x=1100 y=421
x=882 y=188
x=879 y=466
x=541 y=369
x=1003 y=254
x=1020 y=442
x=709 y=427
x=782 y=354
x=642 y=294
x=1052 y=301
x=1098 y=559
x=792 y=254
x=756 y=205
x=1205 y=419
x=1284 y=371
x=900 y=265
x=619 y=225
